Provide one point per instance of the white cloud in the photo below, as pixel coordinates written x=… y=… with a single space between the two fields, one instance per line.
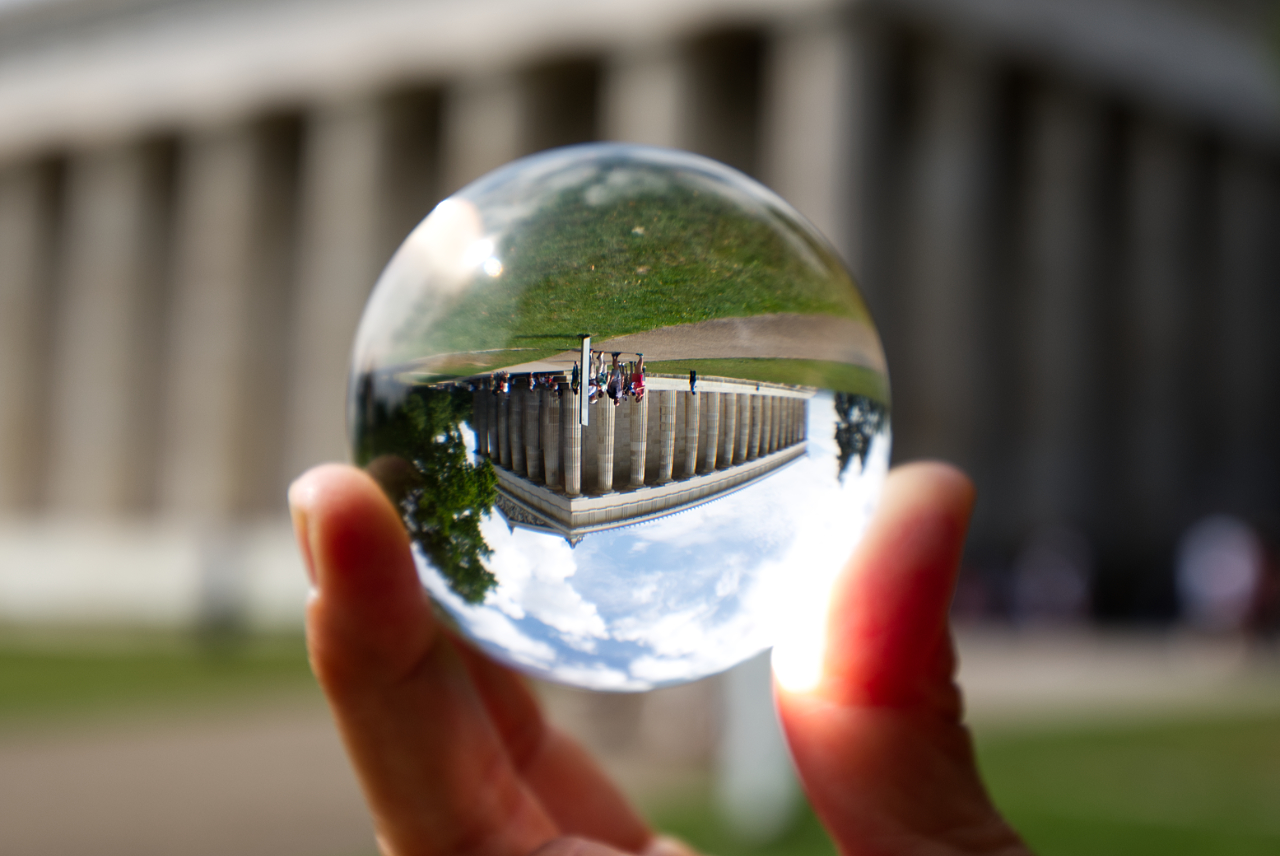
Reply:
x=534 y=573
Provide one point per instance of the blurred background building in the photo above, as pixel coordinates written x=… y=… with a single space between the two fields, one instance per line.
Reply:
x=1065 y=216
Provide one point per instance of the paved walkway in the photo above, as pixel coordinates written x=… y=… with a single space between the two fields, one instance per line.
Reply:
x=265 y=781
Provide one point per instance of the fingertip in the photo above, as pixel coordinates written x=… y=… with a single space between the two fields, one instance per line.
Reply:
x=889 y=608
x=368 y=610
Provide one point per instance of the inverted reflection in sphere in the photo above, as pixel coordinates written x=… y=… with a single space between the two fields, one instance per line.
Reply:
x=632 y=409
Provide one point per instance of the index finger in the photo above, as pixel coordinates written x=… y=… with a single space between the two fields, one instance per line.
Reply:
x=432 y=765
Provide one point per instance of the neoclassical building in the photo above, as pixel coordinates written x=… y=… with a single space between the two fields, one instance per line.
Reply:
x=1062 y=213
x=670 y=451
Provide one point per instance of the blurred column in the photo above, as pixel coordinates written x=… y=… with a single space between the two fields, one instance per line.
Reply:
x=571 y=431
x=726 y=77
x=753 y=443
x=666 y=434
x=639 y=439
x=711 y=407
x=645 y=95
x=27 y=247
x=504 y=430
x=811 y=92
x=939 y=380
x=1246 y=476
x=756 y=788
x=532 y=435
x=225 y=390
x=691 y=427
x=1067 y=142
x=515 y=424
x=484 y=127
x=1166 y=339
x=109 y=331
x=605 y=438
x=744 y=428
x=341 y=255
x=730 y=428
x=550 y=428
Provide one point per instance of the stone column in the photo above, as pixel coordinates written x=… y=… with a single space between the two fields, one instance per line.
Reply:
x=27 y=228
x=666 y=434
x=532 y=433
x=494 y=409
x=480 y=420
x=551 y=436
x=779 y=408
x=515 y=424
x=504 y=430
x=753 y=441
x=1247 y=304
x=766 y=424
x=108 y=332
x=484 y=122
x=691 y=426
x=639 y=438
x=742 y=446
x=607 y=414
x=711 y=409
x=341 y=257
x=224 y=403
x=645 y=97
x=813 y=89
x=1064 y=280
x=1167 y=258
x=571 y=431
x=945 y=369
x=730 y=429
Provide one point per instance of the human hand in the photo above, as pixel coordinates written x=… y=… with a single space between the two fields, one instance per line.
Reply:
x=455 y=758
x=879 y=743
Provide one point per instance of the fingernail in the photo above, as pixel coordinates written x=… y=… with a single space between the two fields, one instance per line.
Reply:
x=302 y=496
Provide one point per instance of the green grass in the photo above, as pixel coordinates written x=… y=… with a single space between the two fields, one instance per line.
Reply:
x=636 y=262
x=1158 y=788
x=43 y=680
x=693 y=819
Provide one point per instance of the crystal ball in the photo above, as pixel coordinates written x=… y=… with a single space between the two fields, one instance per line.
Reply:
x=631 y=408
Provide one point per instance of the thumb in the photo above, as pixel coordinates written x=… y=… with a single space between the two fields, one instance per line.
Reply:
x=887 y=641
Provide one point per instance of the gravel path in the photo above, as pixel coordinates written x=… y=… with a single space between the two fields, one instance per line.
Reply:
x=779 y=336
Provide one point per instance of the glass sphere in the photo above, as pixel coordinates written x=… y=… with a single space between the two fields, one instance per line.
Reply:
x=632 y=409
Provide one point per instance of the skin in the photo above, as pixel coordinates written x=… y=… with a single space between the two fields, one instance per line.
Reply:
x=455 y=758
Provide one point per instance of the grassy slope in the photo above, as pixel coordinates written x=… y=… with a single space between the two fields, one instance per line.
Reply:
x=1178 y=788
x=633 y=265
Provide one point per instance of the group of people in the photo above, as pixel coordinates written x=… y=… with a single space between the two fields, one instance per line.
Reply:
x=501 y=382
x=623 y=379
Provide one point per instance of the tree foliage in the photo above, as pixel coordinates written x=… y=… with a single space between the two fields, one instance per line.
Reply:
x=858 y=420
x=416 y=451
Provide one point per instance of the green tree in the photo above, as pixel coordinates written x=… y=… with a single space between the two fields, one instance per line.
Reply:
x=414 y=448
x=858 y=420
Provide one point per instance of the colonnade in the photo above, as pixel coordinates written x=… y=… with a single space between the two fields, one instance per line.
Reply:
x=1054 y=258
x=717 y=430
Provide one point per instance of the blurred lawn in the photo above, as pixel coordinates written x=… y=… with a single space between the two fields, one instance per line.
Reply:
x=45 y=679
x=1166 y=786
x=1169 y=788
